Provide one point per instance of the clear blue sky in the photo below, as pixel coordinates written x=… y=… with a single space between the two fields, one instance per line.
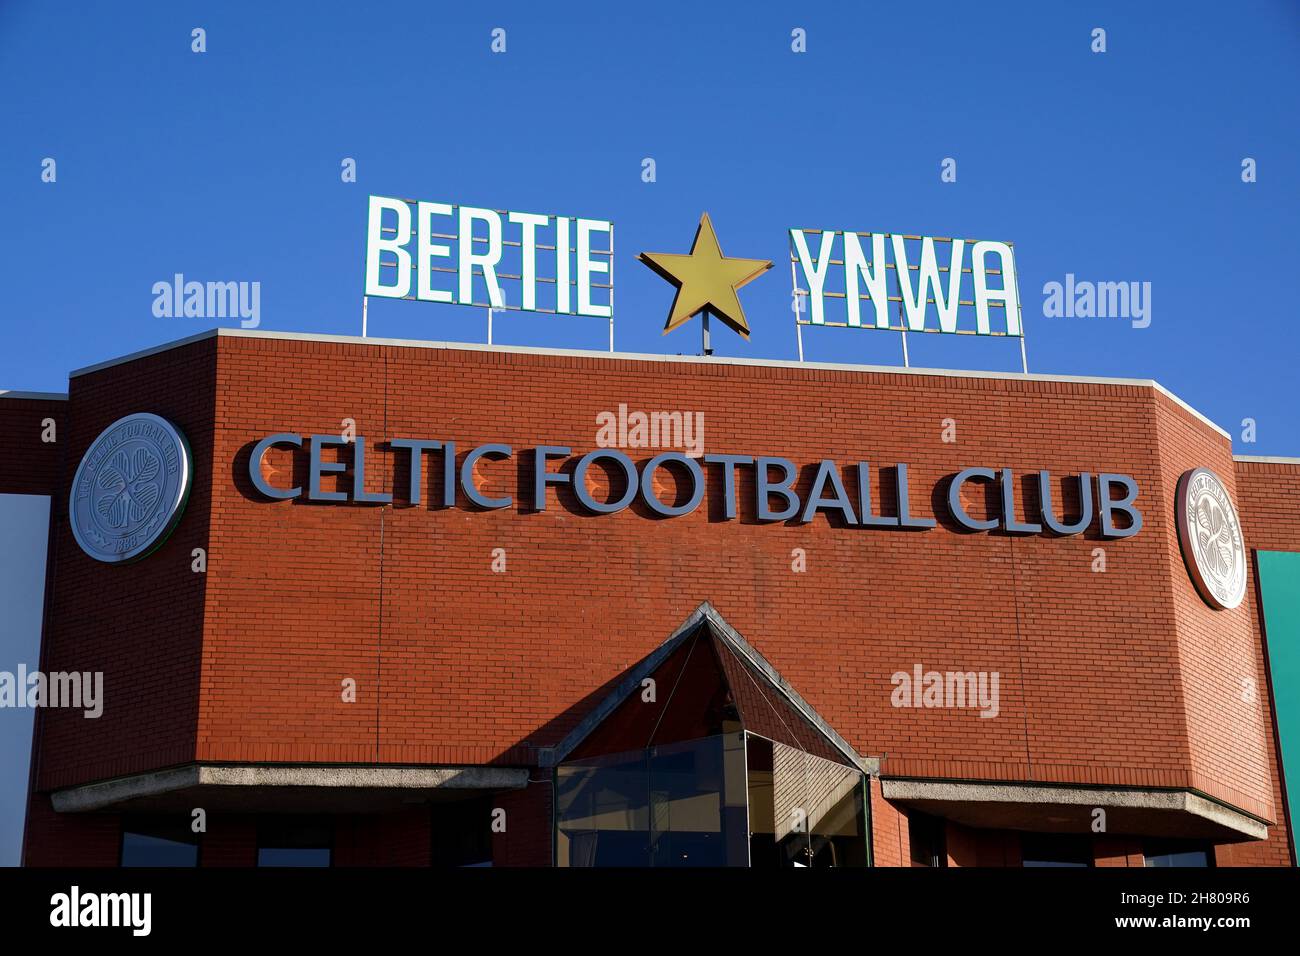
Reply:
x=225 y=165
x=1122 y=166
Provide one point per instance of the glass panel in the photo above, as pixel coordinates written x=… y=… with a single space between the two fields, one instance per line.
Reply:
x=294 y=841
x=461 y=832
x=1176 y=853
x=837 y=816
x=697 y=803
x=762 y=809
x=601 y=813
x=1055 y=849
x=790 y=808
x=26 y=523
x=927 y=838
x=149 y=842
x=293 y=856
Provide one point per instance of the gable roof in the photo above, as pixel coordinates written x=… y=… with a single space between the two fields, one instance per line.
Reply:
x=755 y=681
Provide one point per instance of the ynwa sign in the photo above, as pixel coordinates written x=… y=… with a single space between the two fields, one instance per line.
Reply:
x=926 y=271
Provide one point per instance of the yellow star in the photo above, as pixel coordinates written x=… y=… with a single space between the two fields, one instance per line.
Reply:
x=706 y=279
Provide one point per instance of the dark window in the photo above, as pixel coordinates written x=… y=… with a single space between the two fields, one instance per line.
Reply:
x=926 y=836
x=1055 y=849
x=294 y=841
x=461 y=832
x=159 y=841
x=1178 y=853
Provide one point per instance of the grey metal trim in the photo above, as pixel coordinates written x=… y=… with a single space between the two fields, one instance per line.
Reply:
x=706 y=613
x=1184 y=801
x=655 y=357
x=165 y=347
x=36 y=396
x=552 y=756
x=742 y=647
x=97 y=796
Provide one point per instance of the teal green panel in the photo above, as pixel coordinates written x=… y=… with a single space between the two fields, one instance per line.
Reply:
x=1279 y=587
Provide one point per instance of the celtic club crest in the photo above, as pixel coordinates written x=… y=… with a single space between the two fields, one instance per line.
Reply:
x=1210 y=536
x=130 y=488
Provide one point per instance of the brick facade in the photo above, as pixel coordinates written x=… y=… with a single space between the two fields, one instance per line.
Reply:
x=1120 y=678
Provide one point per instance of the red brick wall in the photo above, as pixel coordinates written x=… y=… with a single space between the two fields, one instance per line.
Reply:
x=1117 y=851
x=1112 y=678
x=890 y=840
x=1226 y=729
x=140 y=624
x=972 y=846
x=1267 y=496
x=31 y=465
x=1092 y=686
x=527 y=838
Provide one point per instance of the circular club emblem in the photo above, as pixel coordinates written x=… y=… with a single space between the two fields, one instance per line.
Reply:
x=1210 y=536
x=130 y=488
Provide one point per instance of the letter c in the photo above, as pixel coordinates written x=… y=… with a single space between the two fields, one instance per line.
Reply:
x=954 y=499
x=255 y=465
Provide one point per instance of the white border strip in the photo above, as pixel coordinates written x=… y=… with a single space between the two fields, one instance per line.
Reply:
x=653 y=357
x=1267 y=459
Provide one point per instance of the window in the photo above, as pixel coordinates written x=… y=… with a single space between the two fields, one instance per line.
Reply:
x=294 y=841
x=461 y=833
x=159 y=841
x=1177 y=853
x=927 y=836
x=716 y=768
x=1055 y=849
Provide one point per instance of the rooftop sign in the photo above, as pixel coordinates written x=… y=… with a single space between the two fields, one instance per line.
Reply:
x=467 y=255
x=915 y=273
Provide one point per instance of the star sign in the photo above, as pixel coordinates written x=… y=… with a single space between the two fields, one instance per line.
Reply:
x=706 y=279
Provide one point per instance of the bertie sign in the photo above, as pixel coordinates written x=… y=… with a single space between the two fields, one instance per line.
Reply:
x=440 y=252
x=1109 y=497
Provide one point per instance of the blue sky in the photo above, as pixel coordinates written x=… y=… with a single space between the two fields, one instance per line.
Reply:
x=1122 y=166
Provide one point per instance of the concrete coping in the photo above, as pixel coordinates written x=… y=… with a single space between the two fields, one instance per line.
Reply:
x=34 y=396
x=104 y=794
x=1179 y=801
x=1266 y=459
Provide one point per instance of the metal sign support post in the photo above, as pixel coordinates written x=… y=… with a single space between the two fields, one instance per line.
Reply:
x=365 y=300
x=794 y=284
x=902 y=319
x=1020 y=316
x=611 y=287
x=704 y=326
